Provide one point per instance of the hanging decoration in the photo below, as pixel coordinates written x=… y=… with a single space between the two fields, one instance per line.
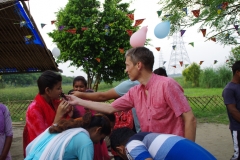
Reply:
x=182 y=32
x=85 y=58
x=181 y=63
x=186 y=65
x=164 y=62
x=56 y=52
x=162 y=29
x=138 y=38
x=84 y=28
x=158 y=48
x=174 y=66
x=98 y=59
x=103 y=49
x=224 y=5
x=191 y=43
x=213 y=39
x=60 y=28
x=27 y=38
x=174 y=47
x=159 y=13
x=196 y=12
x=73 y=31
x=121 y=50
x=185 y=10
x=130 y=32
x=42 y=25
x=236 y=27
x=106 y=27
x=138 y=22
x=203 y=32
x=200 y=63
x=53 y=21
x=219 y=11
x=215 y=61
x=131 y=16
x=227 y=60
x=87 y=19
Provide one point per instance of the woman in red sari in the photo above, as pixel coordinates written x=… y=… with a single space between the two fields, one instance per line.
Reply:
x=46 y=109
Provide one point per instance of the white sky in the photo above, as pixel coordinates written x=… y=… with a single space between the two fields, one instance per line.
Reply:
x=43 y=11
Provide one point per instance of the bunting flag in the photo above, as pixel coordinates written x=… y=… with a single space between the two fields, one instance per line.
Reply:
x=186 y=65
x=200 y=63
x=185 y=10
x=227 y=60
x=87 y=20
x=53 y=21
x=159 y=13
x=174 y=47
x=131 y=16
x=196 y=12
x=181 y=63
x=138 y=22
x=22 y=23
x=103 y=49
x=106 y=32
x=203 y=32
x=73 y=31
x=215 y=61
x=224 y=5
x=85 y=58
x=27 y=38
x=213 y=39
x=164 y=62
x=130 y=32
x=98 y=59
x=60 y=28
x=42 y=25
x=174 y=66
x=191 y=43
x=158 y=48
x=106 y=26
x=236 y=27
x=121 y=50
x=182 y=32
x=84 y=28
x=219 y=11
x=219 y=6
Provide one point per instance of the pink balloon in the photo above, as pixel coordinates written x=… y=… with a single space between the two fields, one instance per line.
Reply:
x=138 y=38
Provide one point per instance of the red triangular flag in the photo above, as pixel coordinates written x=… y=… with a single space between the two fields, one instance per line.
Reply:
x=130 y=32
x=224 y=5
x=98 y=59
x=227 y=60
x=121 y=50
x=201 y=62
x=138 y=22
x=52 y=22
x=130 y=16
x=213 y=39
x=73 y=31
x=84 y=28
x=203 y=32
x=181 y=63
x=158 y=48
x=196 y=12
x=174 y=66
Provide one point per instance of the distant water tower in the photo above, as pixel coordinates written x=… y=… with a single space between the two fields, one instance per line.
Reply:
x=179 y=56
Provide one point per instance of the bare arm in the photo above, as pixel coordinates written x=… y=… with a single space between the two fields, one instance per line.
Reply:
x=98 y=96
x=6 y=148
x=97 y=106
x=233 y=111
x=189 y=125
x=62 y=109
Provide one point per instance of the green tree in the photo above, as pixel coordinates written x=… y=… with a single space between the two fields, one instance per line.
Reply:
x=101 y=31
x=217 y=16
x=234 y=56
x=192 y=74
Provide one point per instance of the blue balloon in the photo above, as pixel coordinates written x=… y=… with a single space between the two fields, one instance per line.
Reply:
x=162 y=29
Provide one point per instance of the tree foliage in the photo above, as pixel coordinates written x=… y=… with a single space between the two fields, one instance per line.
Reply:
x=192 y=74
x=217 y=16
x=100 y=33
x=234 y=56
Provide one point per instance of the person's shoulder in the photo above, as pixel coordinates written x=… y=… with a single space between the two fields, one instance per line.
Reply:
x=82 y=137
x=3 y=107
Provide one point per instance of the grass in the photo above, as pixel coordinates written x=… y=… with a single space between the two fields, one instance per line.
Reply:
x=197 y=92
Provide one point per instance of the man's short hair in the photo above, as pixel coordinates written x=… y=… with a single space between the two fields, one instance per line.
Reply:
x=120 y=137
x=236 y=67
x=141 y=54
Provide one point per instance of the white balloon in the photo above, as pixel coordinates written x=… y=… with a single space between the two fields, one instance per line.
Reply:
x=56 y=52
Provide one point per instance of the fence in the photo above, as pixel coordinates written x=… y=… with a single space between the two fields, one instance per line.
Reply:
x=198 y=104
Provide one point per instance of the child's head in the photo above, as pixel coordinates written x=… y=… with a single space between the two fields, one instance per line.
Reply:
x=79 y=84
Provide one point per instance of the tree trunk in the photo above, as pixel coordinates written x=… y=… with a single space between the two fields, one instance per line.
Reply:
x=97 y=81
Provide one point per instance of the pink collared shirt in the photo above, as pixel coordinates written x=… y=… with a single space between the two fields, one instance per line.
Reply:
x=160 y=110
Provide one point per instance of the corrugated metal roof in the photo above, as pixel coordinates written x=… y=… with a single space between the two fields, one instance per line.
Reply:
x=22 y=49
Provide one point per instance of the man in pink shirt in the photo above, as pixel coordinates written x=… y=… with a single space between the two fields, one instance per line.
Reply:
x=159 y=101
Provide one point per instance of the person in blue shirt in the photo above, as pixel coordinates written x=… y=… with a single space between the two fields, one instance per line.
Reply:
x=155 y=146
x=70 y=139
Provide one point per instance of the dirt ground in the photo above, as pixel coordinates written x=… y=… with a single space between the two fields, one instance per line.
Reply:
x=213 y=137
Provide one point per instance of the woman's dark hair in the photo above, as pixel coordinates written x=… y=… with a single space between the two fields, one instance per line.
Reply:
x=48 y=79
x=80 y=78
x=111 y=117
x=160 y=71
x=120 y=137
x=236 y=67
x=87 y=121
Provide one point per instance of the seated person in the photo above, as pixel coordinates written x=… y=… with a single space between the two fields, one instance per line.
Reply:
x=70 y=139
x=155 y=146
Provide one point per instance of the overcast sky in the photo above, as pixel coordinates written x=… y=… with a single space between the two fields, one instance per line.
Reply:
x=43 y=11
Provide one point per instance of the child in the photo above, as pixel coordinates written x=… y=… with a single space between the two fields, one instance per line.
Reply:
x=6 y=133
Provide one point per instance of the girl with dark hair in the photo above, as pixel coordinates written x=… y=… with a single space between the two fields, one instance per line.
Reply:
x=46 y=108
x=70 y=139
